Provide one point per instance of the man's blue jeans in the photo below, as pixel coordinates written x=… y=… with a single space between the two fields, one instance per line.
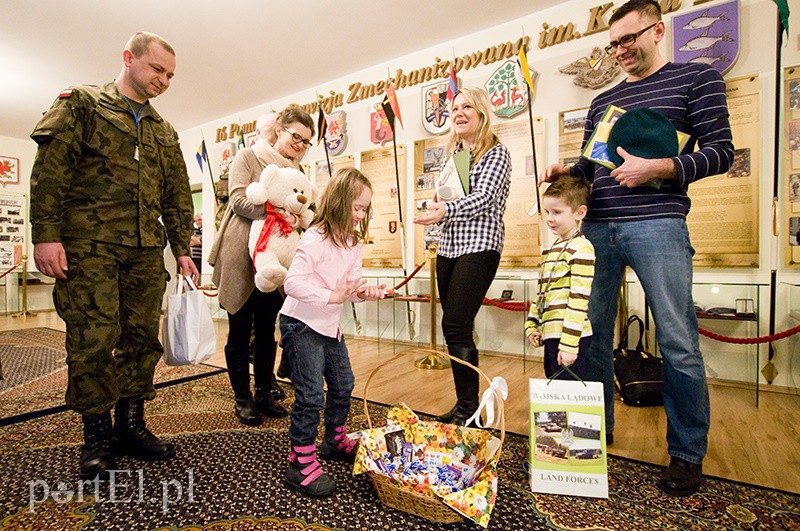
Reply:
x=660 y=253
x=315 y=360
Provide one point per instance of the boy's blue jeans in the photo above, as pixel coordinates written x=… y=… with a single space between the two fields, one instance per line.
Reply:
x=660 y=253
x=316 y=360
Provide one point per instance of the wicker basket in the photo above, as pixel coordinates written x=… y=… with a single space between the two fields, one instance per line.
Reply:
x=392 y=495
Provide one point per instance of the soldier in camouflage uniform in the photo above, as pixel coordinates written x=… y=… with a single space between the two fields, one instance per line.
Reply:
x=108 y=166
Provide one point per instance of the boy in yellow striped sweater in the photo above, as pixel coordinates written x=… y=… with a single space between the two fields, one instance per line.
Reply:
x=558 y=318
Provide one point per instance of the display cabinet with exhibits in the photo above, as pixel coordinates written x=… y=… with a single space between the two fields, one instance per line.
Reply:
x=499 y=325
x=728 y=310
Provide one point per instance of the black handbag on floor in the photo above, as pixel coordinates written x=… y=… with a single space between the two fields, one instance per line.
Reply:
x=638 y=373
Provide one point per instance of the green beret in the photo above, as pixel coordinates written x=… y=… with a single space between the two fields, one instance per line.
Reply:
x=645 y=133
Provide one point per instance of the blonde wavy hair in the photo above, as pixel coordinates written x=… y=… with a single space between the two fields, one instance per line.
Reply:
x=334 y=215
x=485 y=139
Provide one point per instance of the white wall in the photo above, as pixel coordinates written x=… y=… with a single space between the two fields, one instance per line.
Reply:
x=555 y=92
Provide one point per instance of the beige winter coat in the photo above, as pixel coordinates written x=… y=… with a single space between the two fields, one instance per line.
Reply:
x=233 y=267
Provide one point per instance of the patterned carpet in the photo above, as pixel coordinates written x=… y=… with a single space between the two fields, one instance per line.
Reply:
x=35 y=373
x=231 y=477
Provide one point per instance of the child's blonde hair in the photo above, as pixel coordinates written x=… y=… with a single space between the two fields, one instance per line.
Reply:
x=335 y=208
x=575 y=191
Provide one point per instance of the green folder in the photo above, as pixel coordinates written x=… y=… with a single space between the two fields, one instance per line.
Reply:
x=461 y=160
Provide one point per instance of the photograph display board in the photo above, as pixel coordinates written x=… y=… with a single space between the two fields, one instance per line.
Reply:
x=791 y=167
x=570 y=135
x=384 y=248
x=321 y=176
x=723 y=221
x=523 y=244
x=429 y=158
x=13 y=232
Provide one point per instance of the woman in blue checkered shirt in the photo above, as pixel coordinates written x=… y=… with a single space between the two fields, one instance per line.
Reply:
x=472 y=239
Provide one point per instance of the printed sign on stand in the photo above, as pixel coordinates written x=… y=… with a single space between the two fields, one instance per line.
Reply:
x=567 y=445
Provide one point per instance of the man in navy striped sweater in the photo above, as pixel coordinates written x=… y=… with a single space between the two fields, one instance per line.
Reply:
x=644 y=227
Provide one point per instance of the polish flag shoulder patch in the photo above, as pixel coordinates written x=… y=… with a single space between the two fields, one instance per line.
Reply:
x=66 y=93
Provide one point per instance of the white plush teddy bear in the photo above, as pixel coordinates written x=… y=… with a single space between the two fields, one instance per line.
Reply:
x=286 y=194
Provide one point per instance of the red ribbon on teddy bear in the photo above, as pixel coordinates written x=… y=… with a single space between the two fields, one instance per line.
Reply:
x=273 y=218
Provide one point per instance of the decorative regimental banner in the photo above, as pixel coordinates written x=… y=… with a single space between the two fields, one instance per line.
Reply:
x=13 y=232
x=384 y=248
x=570 y=135
x=723 y=221
x=523 y=245
x=791 y=167
x=429 y=158
x=321 y=176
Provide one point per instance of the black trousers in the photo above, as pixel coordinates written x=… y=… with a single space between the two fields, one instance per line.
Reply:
x=463 y=283
x=257 y=315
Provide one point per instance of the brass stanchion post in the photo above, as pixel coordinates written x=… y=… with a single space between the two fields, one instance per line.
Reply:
x=24 y=312
x=432 y=360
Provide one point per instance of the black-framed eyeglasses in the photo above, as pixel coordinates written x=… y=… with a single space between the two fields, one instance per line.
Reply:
x=297 y=138
x=626 y=40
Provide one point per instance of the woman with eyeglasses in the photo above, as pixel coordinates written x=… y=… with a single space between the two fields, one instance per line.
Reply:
x=249 y=310
x=472 y=238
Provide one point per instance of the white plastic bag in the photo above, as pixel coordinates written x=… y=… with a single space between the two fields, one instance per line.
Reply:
x=187 y=330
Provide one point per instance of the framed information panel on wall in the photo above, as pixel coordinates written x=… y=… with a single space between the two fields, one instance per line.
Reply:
x=321 y=175
x=384 y=247
x=429 y=158
x=570 y=135
x=523 y=245
x=723 y=221
x=791 y=167
x=13 y=229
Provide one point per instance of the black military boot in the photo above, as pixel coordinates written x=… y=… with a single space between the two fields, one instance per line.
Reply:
x=131 y=436
x=467 y=383
x=266 y=405
x=96 y=456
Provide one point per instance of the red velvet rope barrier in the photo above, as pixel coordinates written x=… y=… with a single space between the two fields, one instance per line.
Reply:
x=750 y=340
x=409 y=277
x=523 y=307
x=10 y=270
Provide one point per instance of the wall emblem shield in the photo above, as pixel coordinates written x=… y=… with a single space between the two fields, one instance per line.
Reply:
x=436 y=108
x=507 y=93
x=708 y=35
x=336 y=136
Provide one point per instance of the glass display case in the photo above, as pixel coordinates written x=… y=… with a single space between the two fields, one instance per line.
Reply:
x=499 y=326
x=731 y=310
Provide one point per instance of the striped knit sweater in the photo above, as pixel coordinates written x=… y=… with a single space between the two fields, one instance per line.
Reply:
x=566 y=296
x=692 y=97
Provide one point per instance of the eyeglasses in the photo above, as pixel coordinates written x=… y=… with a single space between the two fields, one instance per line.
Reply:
x=297 y=138
x=626 y=40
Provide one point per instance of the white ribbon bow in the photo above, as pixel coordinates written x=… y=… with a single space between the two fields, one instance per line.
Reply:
x=498 y=387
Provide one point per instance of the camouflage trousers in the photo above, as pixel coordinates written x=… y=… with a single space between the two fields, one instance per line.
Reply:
x=111 y=303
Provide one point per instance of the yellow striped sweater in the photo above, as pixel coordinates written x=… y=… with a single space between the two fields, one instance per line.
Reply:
x=565 y=301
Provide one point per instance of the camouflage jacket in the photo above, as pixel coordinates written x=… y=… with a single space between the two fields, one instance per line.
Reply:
x=98 y=177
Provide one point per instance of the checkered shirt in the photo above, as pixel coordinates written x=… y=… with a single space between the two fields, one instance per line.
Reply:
x=474 y=223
